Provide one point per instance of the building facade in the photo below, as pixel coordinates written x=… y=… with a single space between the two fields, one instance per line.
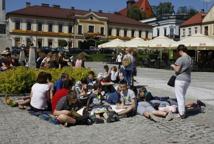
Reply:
x=208 y=23
x=167 y=25
x=52 y=26
x=192 y=26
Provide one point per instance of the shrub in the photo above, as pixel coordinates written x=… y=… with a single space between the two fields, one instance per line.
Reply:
x=20 y=80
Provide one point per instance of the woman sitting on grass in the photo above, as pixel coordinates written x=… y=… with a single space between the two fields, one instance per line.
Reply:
x=40 y=93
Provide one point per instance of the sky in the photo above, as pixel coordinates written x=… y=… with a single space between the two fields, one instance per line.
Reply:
x=105 y=5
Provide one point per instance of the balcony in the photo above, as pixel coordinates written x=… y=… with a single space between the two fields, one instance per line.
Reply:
x=41 y=33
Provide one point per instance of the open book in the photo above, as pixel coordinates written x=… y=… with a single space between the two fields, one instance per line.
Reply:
x=114 y=108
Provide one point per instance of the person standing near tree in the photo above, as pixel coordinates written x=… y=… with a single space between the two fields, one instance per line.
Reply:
x=182 y=68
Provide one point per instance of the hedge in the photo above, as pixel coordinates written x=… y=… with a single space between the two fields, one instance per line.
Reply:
x=20 y=79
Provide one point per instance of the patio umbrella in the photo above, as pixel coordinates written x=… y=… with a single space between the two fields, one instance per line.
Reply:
x=198 y=41
x=115 y=43
x=136 y=42
x=161 y=42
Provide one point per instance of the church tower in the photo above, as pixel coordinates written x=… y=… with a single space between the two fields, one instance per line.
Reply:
x=130 y=3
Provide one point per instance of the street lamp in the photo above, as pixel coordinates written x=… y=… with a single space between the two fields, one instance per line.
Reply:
x=73 y=21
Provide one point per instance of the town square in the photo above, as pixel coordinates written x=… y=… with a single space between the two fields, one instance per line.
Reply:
x=126 y=71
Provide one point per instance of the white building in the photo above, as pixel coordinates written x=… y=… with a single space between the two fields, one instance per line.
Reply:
x=192 y=26
x=208 y=23
x=167 y=25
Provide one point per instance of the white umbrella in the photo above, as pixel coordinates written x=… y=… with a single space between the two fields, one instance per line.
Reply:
x=112 y=44
x=161 y=42
x=136 y=42
x=197 y=40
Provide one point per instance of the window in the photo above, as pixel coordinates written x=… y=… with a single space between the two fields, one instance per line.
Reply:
x=158 y=31
x=28 y=25
x=60 y=28
x=102 y=30
x=132 y=33
x=109 y=31
x=196 y=30
x=17 y=25
x=206 y=30
x=140 y=33
x=184 y=32
x=147 y=35
x=3 y=5
x=165 y=32
x=2 y=29
x=118 y=32
x=91 y=29
x=171 y=32
x=190 y=31
x=17 y=42
x=39 y=27
x=50 y=27
x=50 y=43
x=125 y=33
x=70 y=29
x=79 y=29
x=39 y=43
x=28 y=42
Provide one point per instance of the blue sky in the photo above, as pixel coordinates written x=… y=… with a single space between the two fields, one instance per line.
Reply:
x=105 y=5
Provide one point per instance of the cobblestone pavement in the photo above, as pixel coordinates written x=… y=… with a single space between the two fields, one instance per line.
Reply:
x=17 y=126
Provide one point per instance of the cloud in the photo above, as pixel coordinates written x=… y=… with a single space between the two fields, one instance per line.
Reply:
x=207 y=0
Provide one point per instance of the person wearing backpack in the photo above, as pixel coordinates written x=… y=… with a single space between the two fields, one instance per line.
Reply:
x=128 y=66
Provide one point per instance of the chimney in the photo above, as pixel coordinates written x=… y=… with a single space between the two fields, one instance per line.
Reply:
x=130 y=3
x=28 y=4
x=56 y=6
x=45 y=5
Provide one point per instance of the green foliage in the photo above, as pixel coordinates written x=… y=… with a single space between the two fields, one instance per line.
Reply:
x=20 y=80
x=164 y=8
x=189 y=11
x=135 y=13
x=99 y=57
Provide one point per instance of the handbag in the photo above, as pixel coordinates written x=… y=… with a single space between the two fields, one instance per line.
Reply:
x=171 y=81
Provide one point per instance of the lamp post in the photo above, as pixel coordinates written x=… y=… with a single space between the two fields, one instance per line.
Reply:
x=73 y=21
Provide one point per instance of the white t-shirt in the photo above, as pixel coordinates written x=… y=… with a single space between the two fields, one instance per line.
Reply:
x=39 y=95
x=119 y=58
x=114 y=75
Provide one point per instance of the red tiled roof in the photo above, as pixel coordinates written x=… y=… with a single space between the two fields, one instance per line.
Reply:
x=62 y=13
x=142 y=4
x=194 y=20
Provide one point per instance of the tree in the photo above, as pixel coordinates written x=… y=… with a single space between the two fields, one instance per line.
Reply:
x=189 y=11
x=135 y=13
x=165 y=8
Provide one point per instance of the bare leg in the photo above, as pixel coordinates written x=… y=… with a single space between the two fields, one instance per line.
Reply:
x=66 y=119
x=159 y=113
x=124 y=112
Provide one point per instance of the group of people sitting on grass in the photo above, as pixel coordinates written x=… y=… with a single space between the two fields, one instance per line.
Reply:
x=97 y=100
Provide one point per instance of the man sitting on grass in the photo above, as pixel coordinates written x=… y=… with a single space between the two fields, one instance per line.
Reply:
x=127 y=100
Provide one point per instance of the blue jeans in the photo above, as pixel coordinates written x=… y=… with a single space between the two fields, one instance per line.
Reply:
x=128 y=76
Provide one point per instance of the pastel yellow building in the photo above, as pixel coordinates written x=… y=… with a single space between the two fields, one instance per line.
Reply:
x=49 y=26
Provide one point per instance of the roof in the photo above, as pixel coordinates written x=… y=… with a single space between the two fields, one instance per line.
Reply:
x=142 y=4
x=62 y=13
x=194 y=20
